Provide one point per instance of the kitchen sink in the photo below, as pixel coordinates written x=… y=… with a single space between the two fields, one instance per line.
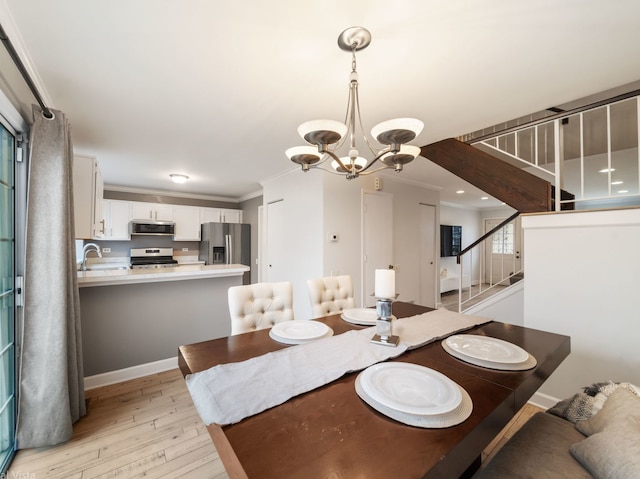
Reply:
x=106 y=266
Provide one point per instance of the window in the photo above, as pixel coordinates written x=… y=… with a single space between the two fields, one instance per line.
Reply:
x=503 y=240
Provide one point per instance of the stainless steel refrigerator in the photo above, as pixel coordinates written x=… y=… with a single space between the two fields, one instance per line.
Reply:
x=226 y=243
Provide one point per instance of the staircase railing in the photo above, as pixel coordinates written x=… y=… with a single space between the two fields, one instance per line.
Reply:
x=476 y=263
x=592 y=152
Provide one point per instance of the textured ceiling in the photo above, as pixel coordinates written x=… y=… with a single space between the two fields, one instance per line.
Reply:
x=216 y=90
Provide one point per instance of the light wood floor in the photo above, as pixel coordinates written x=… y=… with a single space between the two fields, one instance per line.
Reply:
x=148 y=428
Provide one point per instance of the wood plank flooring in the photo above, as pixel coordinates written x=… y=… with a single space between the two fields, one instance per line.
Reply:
x=148 y=427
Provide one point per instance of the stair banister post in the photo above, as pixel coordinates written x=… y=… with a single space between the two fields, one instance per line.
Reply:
x=557 y=153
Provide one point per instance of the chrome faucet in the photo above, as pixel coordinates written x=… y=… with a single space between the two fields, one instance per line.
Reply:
x=88 y=248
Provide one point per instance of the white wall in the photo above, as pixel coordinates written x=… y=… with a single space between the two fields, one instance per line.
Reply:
x=303 y=234
x=507 y=307
x=318 y=204
x=341 y=216
x=407 y=198
x=582 y=275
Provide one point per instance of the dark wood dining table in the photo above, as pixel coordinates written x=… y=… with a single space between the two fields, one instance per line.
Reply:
x=331 y=433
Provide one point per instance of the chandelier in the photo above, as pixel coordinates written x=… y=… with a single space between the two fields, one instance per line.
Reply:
x=328 y=136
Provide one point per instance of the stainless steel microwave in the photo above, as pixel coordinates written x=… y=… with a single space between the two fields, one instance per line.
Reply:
x=153 y=228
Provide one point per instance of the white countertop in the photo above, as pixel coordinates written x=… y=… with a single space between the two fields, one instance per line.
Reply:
x=181 y=272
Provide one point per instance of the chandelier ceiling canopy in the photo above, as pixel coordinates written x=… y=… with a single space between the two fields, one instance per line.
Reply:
x=328 y=136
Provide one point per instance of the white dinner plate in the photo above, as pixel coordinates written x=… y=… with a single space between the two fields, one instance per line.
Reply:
x=447 y=419
x=486 y=348
x=361 y=316
x=297 y=332
x=410 y=388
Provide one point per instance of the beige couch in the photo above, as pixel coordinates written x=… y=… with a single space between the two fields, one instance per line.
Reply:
x=606 y=445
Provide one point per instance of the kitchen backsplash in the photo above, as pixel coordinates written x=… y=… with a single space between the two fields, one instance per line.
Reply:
x=121 y=249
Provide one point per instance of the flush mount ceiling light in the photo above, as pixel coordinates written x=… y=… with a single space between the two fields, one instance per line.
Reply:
x=328 y=136
x=178 y=178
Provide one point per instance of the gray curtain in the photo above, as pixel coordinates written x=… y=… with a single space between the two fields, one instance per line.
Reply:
x=51 y=395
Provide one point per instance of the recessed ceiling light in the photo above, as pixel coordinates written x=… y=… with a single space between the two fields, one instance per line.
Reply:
x=623 y=191
x=484 y=198
x=617 y=182
x=178 y=178
x=606 y=170
x=460 y=192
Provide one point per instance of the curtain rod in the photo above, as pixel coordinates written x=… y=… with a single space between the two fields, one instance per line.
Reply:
x=23 y=71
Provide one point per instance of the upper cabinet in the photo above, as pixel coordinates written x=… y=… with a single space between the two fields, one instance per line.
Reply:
x=87 y=198
x=231 y=216
x=220 y=215
x=151 y=211
x=117 y=215
x=187 y=220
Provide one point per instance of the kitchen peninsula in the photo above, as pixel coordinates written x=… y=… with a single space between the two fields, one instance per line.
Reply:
x=134 y=317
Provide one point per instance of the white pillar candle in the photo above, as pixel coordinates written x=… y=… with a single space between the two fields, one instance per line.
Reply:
x=385 y=284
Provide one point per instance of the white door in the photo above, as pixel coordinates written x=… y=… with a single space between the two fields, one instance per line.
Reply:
x=377 y=240
x=428 y=255
x=277 y=243
x=503 y=251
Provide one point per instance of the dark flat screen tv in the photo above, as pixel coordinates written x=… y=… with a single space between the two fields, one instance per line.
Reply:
x=450 y=240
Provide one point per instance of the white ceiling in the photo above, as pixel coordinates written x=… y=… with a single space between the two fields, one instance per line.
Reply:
x=216 y=90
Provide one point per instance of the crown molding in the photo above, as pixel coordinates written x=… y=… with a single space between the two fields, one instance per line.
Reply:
x=177 y=194
x=405 y=179
x=282 y=174
x=250 y=196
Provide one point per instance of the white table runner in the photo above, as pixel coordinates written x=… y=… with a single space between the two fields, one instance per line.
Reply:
x=228 y=393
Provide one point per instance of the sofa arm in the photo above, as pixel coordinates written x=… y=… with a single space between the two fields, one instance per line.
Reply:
x=538 y=450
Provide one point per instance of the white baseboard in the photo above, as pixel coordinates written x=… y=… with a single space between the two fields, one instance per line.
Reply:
x=543 y=400
x=134 y=372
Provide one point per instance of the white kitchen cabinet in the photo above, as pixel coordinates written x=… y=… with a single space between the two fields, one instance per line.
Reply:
x=151 y=211
x=117 y=215
x=220 y=215
x=231 y=216
x=187 y=220
x=88 y=189
x=210 y=215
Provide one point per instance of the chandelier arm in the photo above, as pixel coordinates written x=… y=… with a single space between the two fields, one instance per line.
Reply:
x=380 y=154
x=337 y=158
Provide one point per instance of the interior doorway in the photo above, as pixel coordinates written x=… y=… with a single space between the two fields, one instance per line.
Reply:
x=428 y=255
x=273 y=267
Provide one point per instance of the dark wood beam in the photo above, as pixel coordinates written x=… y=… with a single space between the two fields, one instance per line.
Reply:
x=519 y=189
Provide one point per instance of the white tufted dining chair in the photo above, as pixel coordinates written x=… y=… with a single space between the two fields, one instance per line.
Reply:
x=259 y=305
x=330 y=295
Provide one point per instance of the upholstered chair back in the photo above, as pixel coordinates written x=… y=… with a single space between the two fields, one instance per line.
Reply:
x=259 y=305
x=330 y=295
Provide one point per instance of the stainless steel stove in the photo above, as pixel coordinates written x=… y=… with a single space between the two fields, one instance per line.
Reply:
x=149 y=258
